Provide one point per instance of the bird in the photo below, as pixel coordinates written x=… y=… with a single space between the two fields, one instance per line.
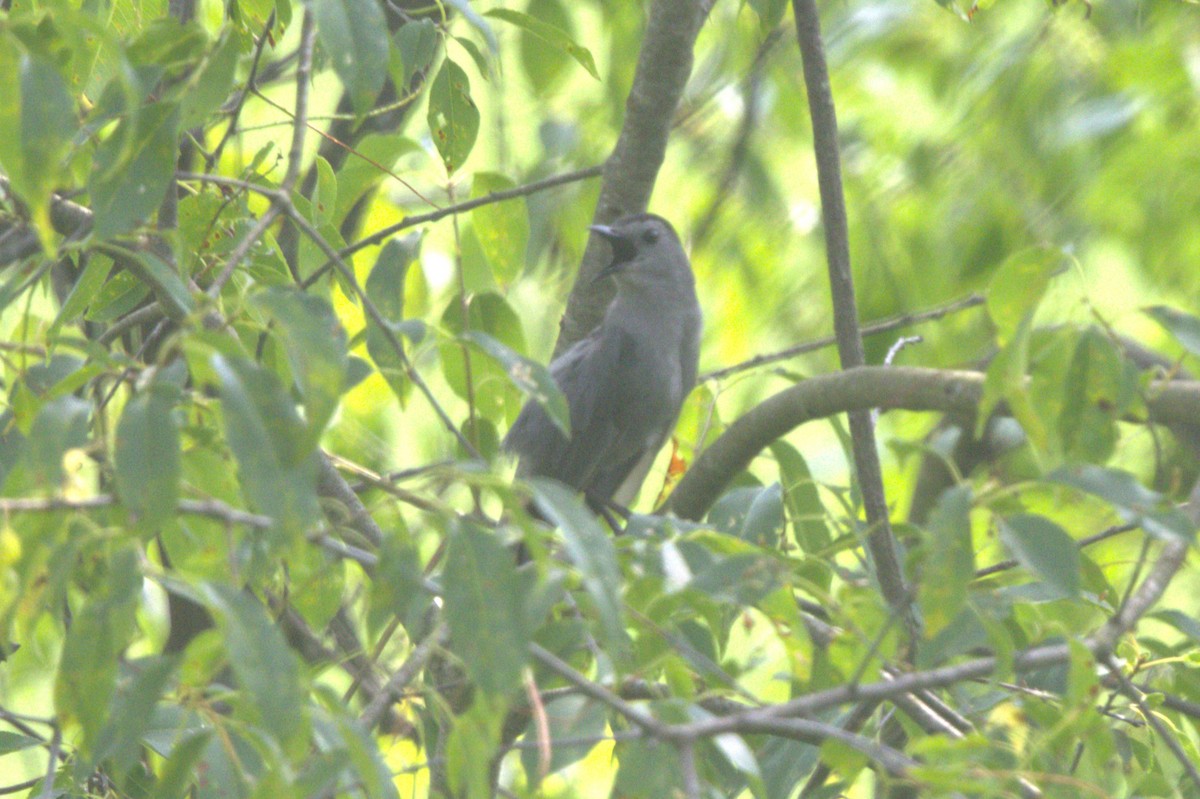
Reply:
x=626 y=381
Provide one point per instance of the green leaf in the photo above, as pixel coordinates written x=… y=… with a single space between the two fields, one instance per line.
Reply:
x=367 y=766
x=325 y=192
x=752 y=513
x=555 y=37
x=764 y=518
x=163 y=280
x=271 y=444
x=949 y=565
x=147 y=456
x=360 y=175
x=545 y=66
x=1018 y=286
x=416 y=42
x=1183 y=326
x=385 y=288
x=649 y=769
x=533 y=379
x=87 y=670
x=1133 y=501
x=210 y=85
x=1097 y=391
x=355 y=35
x=502 y=228
x=479 y=23
x=132 y=711
x=37 y=123
x=800 y=495
x=471 y=746
x=316 y=347
x=179 y=772
x=489 y=313
x=1005 y=381
x=453 y=117
x=266 y=668
x=60 y=425
x=15 y=742
x=592 y=552
x=84 y=290
x=129 y=179
x=484 y=592
x=481 y=61
x=1045 y=549
x=770 y=12
x=117 y=297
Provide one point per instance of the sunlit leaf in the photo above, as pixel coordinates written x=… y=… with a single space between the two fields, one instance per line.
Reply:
x=551 y=35
x=502 y=228
x=1018 y=286
x=1183 y=326
x=453 y=117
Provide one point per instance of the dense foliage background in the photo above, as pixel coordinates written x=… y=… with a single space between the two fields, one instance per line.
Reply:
x=275 y=278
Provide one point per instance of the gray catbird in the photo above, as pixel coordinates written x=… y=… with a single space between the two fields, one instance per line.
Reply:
x=626 y=381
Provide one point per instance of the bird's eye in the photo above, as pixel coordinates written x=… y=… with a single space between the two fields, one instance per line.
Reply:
x=650 y=236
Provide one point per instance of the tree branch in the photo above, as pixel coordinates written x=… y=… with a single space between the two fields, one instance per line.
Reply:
x=892 y=387
x=880 y=542
x=664 y=64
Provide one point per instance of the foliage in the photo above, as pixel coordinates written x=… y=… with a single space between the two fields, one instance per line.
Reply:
x=257 y=537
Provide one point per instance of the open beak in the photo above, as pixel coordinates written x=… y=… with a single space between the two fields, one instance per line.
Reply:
x=622 y=251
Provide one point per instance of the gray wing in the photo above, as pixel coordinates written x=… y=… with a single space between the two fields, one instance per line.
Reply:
x=585 y=375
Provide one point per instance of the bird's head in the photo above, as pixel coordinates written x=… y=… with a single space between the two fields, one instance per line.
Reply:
x=645 y=248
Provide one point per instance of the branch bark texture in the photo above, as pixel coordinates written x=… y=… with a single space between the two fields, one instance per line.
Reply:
x=893 y=387
x=880 y=542
x=664 y=64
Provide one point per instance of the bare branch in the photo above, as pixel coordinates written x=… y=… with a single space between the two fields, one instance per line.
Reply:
x=894 y=387
x=551 y=182
x=404 y=675
x=882 y=326
x=880 y=540
x=211 y=508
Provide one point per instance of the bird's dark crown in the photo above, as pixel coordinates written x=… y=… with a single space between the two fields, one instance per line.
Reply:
x=645 y=217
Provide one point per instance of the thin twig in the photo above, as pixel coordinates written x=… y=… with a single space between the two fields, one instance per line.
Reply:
x=408 y=671
x=380 y=236
x=880 y=540
x=210 y=508
x=587 y=687
x=382 y=324
x=882 y=326
x=295 y=154
x=1160 y=729
x=212 y=160
x=1103 y=535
